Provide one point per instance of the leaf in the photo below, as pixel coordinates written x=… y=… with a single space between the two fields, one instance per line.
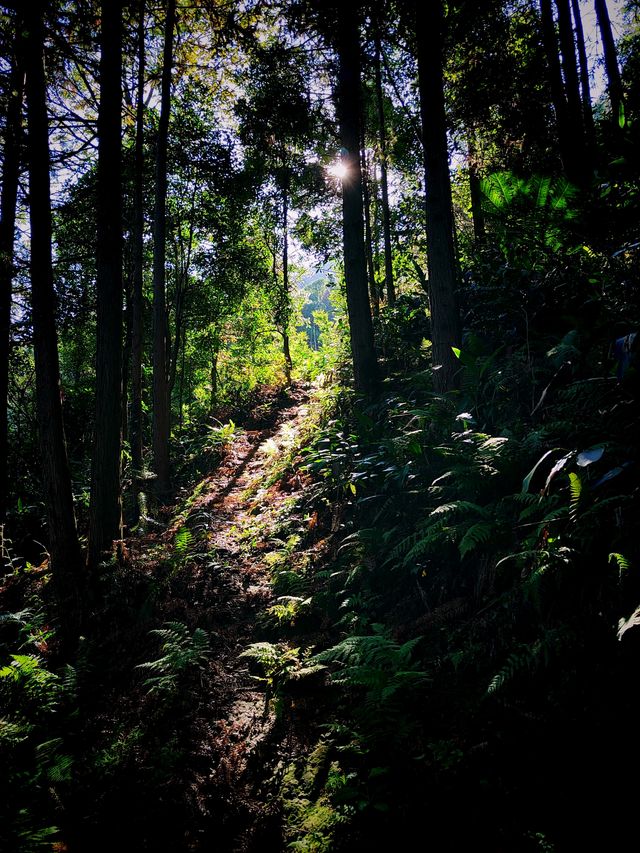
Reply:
x=478 y=534
x=556 y=469
x=183 y=540
x=575 y=487
x=611 y=474
x=527 y=480
x=456 y=351
x=631 y=622
x=588 y=456
x=620 y=560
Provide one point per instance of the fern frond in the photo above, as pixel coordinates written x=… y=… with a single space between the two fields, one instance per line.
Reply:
x=575 y=489
x=478 y=534
x=455 y=507
x=620 y=560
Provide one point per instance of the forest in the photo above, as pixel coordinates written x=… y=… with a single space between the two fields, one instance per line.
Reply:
x=319 y=419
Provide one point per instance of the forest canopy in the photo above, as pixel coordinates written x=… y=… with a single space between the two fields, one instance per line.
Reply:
x=318 y=423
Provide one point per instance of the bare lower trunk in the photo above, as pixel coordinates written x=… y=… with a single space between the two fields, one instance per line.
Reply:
x=135 y=431
x=286 y=351
x=585 y=88
x=64 y=548
x=10 y=177
x=386 y=219
x=105 y=510
x=614 y=80
x=365 y=366
x=161 y=414
x=475 y=191
x=368 y=245
x=445 y=317
x=581 y=166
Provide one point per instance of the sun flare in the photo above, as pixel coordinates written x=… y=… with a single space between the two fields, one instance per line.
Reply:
x=338 y=169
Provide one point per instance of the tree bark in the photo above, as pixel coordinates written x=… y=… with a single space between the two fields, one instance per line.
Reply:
x=10 y=178
x=386 y=220
x=105 y=510
x=445 y=317
x=581 y=166
x=368 y=237
x=365 y=367
x=585 y=88
x=614 y=80
x=135 y=428
x=286 y=349
x=161 y=408
x=555 y=80
x=64 y=547
x=477 y=213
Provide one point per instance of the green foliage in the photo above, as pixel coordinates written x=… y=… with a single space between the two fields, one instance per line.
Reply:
x=278 y=664
x=185 y=653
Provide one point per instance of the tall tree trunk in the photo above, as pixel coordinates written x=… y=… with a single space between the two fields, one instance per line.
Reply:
x=126 y=364
x=445 y=316
x=286 y=349
x=135 y=429
x=161 y=413
x=365 y=367
x=557 y=89
x=181 y=384
x=368 y=245
x=477 y=213
x=572 y=88
x=614 y=80
x=215 y=351
x=585 y=88
x=10 y=177
x=182 y=265
x=386 y=220
x=105 y=510
x=64 y=548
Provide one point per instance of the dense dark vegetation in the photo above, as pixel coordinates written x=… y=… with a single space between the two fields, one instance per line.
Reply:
x=319 y=412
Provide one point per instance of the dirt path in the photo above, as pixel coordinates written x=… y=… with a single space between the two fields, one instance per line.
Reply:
x=224 y=586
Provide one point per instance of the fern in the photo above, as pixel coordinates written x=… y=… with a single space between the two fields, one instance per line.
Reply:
x=456 y=507
x=478 y=534
x=620 y=560
x=575 y=489
x=183 y=540
x=515 y=663
x=183 y=652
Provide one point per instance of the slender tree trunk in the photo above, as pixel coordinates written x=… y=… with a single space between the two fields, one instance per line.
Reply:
x=64 y=548
x=214 y=373
x=183 y=264
x=557 y=90
x=286 y=350
x=10 y=177
x=365 y=367
x=475 y=191
x=181 y=384
x=135 y=429
x=368 y=247
x=585 y=88
x=161 y=415
x=386 y=219
x=105 y=510
x=445 y=317
x=126 y=365
x=572 y=89
x=614 y=80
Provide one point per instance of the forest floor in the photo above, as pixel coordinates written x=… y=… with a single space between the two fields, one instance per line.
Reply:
x=243 y=520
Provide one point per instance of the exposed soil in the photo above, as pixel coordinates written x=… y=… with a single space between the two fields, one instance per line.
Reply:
x=224 y=791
